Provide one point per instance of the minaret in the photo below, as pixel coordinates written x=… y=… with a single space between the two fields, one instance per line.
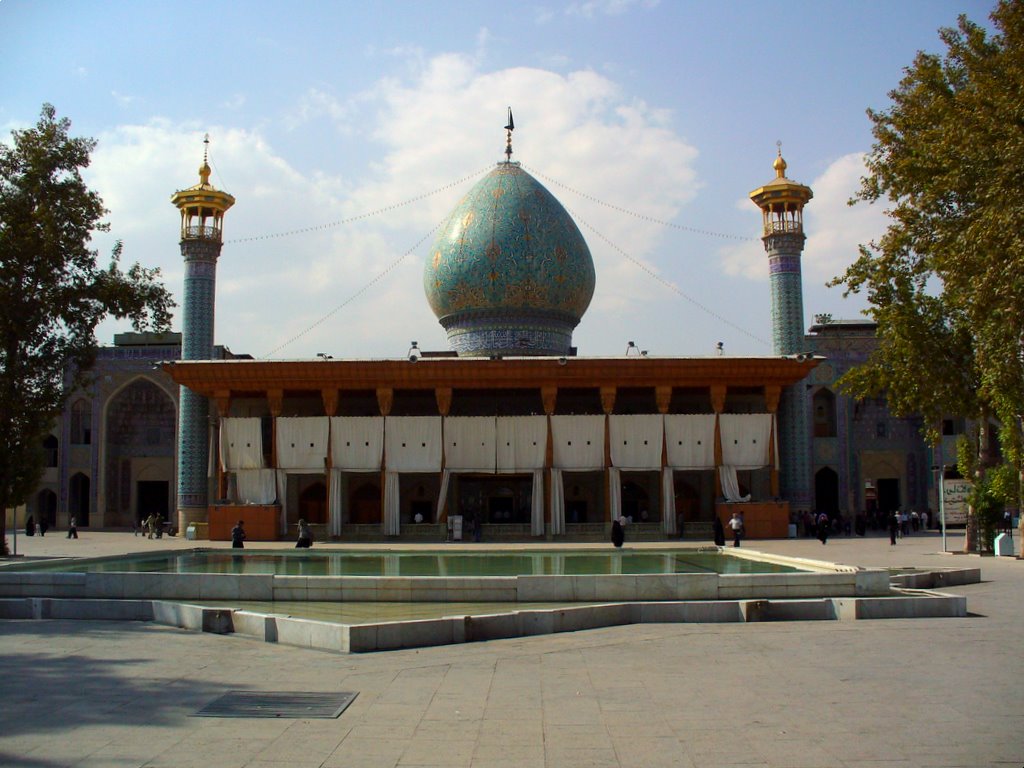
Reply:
x=202 y=221
x=782 y=204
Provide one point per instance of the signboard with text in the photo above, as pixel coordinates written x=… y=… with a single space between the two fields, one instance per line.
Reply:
x=954 y=500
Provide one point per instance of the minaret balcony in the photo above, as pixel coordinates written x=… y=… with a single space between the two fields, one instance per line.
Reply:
x=201 y=232
x=782 y=227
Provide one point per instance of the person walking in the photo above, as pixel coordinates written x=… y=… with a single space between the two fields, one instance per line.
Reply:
x=894 y=527
x=618 y=533
x=238 y=535
x=305 y=536
x=73 y=528
x=823 y=525
x=719 y=531
x=736 y=524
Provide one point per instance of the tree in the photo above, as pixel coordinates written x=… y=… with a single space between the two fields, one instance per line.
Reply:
x=53 y=293
x=945 y=282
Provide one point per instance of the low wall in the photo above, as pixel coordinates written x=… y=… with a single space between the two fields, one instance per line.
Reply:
x=568 y=589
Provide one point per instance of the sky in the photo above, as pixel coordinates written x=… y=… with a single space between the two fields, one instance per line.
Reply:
x=347 y=132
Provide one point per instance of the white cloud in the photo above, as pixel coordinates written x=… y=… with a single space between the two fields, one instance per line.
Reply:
x=444 y=123
x=588 y=9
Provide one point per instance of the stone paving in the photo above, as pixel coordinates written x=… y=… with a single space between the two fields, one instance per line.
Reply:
x=884 y=694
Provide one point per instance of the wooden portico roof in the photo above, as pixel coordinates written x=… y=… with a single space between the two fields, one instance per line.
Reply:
x=236 y=377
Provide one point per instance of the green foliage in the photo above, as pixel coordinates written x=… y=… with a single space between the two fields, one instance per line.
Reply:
x=945 y=281
x=53 y=292
x=988 y=498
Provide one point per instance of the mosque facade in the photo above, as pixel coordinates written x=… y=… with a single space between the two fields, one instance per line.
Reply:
x=510 y=433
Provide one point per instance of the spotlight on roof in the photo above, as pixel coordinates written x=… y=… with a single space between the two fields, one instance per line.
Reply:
x=719 y=348
x=324 y=356
x=414 y=352
x=632 y=350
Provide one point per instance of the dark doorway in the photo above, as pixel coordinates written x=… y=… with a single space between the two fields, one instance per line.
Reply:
x=78 y=499
x=365 y=506
x=888 y=494
x=826 y=491
x=151 y=496
x=313 y=504
x=634 y=502
x=46 y=507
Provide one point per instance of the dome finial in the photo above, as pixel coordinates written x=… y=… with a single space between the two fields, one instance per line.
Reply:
x=204 y=170
x=509 y=127
x=779 y=165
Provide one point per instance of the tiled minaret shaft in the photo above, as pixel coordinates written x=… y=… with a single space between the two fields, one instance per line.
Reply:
x=782 y=202
x=202 y=219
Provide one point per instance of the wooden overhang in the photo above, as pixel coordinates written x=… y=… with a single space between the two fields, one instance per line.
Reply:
x=240 y=377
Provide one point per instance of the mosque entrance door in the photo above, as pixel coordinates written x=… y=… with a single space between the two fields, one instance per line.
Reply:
x=364 y=508
x=151 y=496
x=888 y=493
x=313 y=504
x=78 y=499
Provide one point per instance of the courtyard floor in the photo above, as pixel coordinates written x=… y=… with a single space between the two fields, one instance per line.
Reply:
x=885 y=694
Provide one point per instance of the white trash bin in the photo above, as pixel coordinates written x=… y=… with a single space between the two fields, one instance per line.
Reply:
x=1003 y=546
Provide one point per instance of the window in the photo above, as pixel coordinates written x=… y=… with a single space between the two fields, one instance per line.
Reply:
x=50 y=450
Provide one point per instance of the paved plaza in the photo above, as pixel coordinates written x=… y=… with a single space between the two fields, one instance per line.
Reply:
x=884 y=694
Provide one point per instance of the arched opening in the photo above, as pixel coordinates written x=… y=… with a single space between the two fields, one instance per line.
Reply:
x=81 y=422
x=313 y=504
x=46 y=507
x=826 y=491
x=364 y=504
x=78 y=499
x=50 y=451
x=139 y=456
x=824 y=413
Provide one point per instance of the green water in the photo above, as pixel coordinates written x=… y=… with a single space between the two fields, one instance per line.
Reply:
x=419 y=564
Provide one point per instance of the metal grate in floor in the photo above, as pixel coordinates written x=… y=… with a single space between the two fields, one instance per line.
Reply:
x=285 y=704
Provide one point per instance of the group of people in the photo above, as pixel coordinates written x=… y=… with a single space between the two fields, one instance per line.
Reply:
x=304 y=541
x=152 y=527
x=31 y=527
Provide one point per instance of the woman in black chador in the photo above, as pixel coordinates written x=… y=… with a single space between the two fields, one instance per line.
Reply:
x=618 y=533
x=719 y=531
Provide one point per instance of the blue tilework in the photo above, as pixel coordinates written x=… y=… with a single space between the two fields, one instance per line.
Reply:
x=509 y=245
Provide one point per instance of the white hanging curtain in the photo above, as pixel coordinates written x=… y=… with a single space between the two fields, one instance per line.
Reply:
x=537 y=504
x=522 y=443
x=334 y=501
x=668 y=502
x=745 y=439
x=282 y=499
x=730 y=485
x=256 y=486
x=302 y=442
x=557 y=503
x=392 y=504
x=578 y=442
x=615 y=492
x=442 y=497
x=469 y=443
x=357 y=443
x=241 y=443
x=690 y=440
x=636 y=441
x=413 y=443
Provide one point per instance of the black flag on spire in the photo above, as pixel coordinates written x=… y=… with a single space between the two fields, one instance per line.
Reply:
x=508 y=137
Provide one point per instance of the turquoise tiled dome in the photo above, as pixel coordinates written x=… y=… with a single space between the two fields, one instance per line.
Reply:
x=510 y=272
